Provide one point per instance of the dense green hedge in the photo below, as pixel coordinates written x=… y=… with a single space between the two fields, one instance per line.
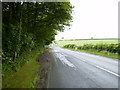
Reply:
x=113 y=48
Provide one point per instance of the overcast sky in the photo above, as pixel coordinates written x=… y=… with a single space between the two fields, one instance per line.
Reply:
x=93 y=18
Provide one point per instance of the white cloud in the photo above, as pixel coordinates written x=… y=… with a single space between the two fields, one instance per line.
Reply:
x=93 y=18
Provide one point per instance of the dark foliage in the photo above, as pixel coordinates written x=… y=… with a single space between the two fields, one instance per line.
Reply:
x=27 y=26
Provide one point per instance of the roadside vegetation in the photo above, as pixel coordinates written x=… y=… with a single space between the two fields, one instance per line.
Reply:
x=24 y=76
x=104 y=47
x=108 y=50
x=26 y=28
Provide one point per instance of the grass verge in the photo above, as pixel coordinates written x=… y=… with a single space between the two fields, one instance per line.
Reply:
x=110 y=55
x=26 y=76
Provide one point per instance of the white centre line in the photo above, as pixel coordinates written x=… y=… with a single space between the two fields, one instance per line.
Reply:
x=108 y=71
x=103 y=69
x=113 y=73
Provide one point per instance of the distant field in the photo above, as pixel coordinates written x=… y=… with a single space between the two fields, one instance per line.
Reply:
x=87 y=41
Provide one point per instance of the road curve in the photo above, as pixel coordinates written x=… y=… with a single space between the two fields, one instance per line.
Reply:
x=75 y=69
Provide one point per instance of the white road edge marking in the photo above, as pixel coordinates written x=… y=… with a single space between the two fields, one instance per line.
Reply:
x=113 y=73
x=65 y=61
x=107 y=71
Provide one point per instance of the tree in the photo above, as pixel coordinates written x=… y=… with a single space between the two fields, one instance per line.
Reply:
x=30 y=25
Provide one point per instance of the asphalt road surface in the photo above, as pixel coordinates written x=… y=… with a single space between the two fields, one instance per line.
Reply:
x=75 y=69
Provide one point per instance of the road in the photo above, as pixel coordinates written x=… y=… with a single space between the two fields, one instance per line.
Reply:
x=75 y=69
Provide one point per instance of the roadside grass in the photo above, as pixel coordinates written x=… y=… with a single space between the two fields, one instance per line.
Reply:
x=109 y=55
x=27 y=75
x=61 y=43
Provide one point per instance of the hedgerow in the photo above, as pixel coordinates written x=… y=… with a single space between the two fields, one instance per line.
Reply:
x=112 y=48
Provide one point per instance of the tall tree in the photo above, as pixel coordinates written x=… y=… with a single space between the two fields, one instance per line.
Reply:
x=29 y=25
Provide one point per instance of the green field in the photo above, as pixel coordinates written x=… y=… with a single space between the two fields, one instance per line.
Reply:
x=61 y=43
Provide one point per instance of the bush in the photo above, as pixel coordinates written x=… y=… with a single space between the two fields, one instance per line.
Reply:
x=70 y=46
x=113 y=48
